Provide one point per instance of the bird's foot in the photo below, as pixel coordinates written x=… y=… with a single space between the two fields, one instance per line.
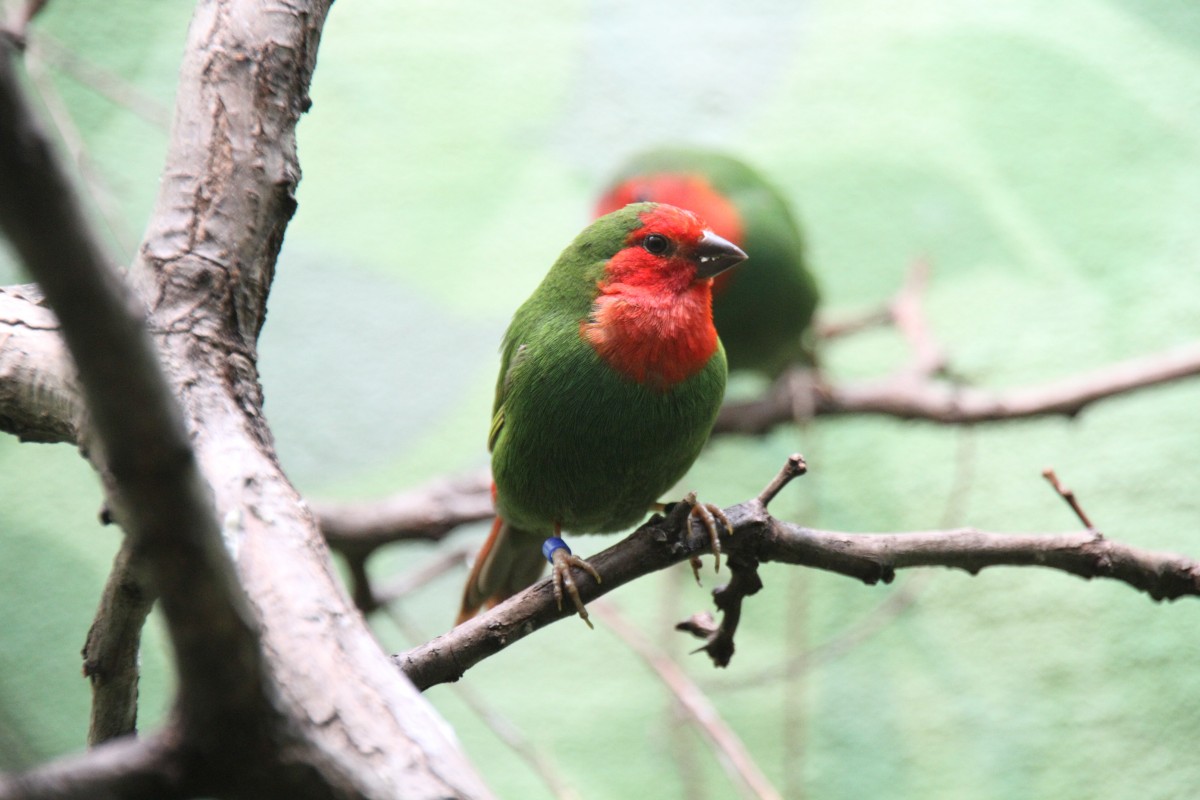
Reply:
x=708 y=515
x=561 y=560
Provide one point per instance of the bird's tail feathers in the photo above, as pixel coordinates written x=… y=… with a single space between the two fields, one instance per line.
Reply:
x=507 y=563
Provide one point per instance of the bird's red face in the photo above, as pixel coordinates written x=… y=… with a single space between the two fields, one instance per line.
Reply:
x=671 y=252
x=692 y=192
x=652 y=319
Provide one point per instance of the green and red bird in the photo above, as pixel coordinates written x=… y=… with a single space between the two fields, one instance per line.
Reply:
x=610 y=379
x=762 y=313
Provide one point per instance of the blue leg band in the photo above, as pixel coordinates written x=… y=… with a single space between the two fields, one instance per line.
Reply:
x=552 y=544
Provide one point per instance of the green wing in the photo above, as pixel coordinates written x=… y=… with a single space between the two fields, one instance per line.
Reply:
x=514 y=355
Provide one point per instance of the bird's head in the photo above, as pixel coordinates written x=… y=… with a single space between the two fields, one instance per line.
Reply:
x=668 y=250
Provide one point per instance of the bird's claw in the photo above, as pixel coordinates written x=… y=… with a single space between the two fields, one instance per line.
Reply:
x=561 y=561
x=708 y=515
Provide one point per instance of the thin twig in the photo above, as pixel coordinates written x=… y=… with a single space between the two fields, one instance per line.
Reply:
x=110 y=655
x=1069 y=496
x=104 y=81
x=684 y=754
x=793 y=468
x=98 y=189
x=829 y=329
x=733 y=755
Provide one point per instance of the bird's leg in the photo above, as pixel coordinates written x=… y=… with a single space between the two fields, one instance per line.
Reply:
x=708 y=515
x=693 y=561
x=561 y=560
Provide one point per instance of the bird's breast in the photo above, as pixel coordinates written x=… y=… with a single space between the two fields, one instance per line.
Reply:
x=657 y=341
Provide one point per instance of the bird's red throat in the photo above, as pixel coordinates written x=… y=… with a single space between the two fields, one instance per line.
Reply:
x=652 y=321
x=653 y=340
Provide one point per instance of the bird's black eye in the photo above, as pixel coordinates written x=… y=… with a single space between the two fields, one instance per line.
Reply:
x=656 y=244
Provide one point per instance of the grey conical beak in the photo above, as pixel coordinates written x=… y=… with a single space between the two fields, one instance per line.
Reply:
x=715 y=255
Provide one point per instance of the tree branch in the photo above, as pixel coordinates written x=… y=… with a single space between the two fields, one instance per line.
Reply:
x=425 y=512
x=125 y=769
x=110 y=655
x=905 y=398
x=432 y=511
x=269 y=718
x=869 y=557
x=39 y=401
x=153 y=481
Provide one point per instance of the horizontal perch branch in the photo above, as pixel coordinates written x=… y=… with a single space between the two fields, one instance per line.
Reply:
x=757 y=536
x=906 y=397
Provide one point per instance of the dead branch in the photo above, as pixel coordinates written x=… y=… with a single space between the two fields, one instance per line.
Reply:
x=110 y=655
x=1068 y=496
x=939 y=401
x=744 y=580
x=869 y=557
x=426 y=512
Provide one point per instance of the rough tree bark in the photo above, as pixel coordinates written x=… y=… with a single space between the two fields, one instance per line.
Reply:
x=322 y=711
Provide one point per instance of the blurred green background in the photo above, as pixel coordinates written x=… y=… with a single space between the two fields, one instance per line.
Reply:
x=1044 y=157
